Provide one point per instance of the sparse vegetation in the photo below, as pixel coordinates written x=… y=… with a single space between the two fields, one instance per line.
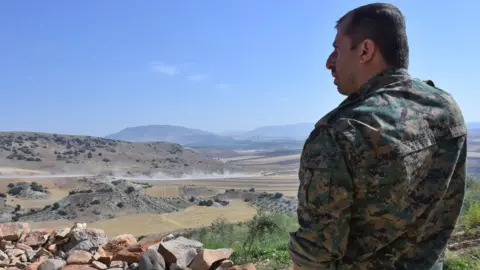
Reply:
x=55 y=206
x=36 y=187
x=264 y=237
x=469 y=223
x=130 y=189
x=36 y=151
x=205 y=203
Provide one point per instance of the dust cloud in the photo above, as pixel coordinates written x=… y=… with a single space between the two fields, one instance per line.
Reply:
x=196 y=175
x=190 y=176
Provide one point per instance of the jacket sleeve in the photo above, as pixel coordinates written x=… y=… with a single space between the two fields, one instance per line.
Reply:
x=325 y=197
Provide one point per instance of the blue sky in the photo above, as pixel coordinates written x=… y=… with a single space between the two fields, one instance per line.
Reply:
x=96 y=67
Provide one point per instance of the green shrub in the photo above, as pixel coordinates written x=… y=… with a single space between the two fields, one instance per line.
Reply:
x=264 y=237
x=55 y=206
x=464 y=261
x=471 y=219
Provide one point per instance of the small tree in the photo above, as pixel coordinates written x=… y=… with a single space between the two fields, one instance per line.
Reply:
x=130 y=189
x=55 y=206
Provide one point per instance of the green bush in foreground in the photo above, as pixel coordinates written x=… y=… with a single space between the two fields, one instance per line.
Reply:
x=264 y=237
x=470 y=216
x=465 y=261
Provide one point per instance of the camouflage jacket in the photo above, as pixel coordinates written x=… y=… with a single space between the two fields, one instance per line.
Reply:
x=382 y=178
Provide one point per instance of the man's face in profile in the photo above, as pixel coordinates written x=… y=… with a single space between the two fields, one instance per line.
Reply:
x=343 y=61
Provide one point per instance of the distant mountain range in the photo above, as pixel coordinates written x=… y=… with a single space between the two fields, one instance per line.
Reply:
x=275 y=136
x=281 y=136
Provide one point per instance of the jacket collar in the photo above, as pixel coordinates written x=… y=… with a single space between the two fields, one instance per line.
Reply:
x=386 y=77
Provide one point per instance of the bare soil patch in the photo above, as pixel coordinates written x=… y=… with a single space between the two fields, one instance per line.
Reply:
x=191 y=217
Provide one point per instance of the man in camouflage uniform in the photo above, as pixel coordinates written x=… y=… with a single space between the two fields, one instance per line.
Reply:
x=382 y=176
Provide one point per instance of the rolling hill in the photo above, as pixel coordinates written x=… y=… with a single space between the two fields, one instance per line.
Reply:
x=289 y=136
x=174 y=134
x=71 y=154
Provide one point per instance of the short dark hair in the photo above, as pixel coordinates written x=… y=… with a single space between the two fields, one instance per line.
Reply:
x=384 y=24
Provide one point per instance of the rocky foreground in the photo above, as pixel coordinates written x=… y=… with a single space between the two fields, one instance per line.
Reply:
x=82 y=248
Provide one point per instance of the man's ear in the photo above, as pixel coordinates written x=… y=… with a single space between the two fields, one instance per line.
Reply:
x=366 y=50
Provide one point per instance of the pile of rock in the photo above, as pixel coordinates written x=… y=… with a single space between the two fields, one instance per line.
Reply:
x=82 y=248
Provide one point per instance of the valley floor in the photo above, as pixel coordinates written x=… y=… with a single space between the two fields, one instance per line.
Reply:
x=463 y=252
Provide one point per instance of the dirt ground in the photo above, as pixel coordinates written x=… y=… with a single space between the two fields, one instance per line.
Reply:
x=146 y=223
x=59 y=187
x=191 y=217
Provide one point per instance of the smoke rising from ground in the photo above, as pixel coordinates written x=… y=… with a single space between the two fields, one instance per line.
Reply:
x=189 y=176
x=196 y=175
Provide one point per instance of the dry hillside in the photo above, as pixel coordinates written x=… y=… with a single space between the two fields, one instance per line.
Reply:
x=63 y=154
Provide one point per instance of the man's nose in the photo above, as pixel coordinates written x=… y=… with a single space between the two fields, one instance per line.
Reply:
x=330 y=64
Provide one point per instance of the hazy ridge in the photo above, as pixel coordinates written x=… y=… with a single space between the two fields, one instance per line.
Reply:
x=86 y=155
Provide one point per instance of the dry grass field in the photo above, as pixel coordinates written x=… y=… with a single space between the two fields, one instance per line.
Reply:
x=147 y=223
x=164 y=191
x=192 y=217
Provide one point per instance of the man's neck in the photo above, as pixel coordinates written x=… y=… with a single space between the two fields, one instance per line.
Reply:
x=381 y=79
x=369 y=74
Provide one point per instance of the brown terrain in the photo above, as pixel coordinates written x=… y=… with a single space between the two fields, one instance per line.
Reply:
x=52 y=181
x=41 y=153
x=59 y=179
